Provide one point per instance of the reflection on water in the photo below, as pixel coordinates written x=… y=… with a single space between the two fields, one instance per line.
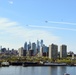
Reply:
x=62 y=70
x=54 y=70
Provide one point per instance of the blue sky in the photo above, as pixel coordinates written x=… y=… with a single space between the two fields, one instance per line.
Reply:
x=24 y=20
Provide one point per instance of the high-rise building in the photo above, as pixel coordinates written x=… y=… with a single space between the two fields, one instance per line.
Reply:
x=31 y=52
x=63 y=51
x=73 y=56
x=0 y=48
x=38 y=46
x=44 y=48
x=47 y=51
x=37 y=43
x=33 y=47
x=25 y=46
x=29 y=45
x=44 y=51
x=41 y=43
x=22 y=52
x=41 y=51
x=53 y=51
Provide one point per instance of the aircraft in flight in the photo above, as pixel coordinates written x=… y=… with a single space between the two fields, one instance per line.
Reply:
x=46 y=21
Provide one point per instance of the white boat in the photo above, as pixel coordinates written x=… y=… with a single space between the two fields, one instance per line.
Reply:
x=66 y=74
x=5 y=64
x=55 y=64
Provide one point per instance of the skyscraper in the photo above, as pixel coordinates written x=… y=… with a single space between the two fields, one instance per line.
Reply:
x=38 y=46
x=33 y=47
x=25 y=46
x=41 y=51
x=45 y=49
x=29 y=45
x=41 y=43
x=63 y=51
x=53 y=51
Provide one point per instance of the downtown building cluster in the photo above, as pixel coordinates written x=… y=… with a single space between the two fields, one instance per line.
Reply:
x=40 y=49
x=4 y=51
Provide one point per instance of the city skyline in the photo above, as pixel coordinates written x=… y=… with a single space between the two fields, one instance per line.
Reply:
x=40 y=49
x=52 y=21
x=28 y=45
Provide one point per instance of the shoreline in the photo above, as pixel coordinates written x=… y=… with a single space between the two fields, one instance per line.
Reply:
x=37 y=64
x=24 y=64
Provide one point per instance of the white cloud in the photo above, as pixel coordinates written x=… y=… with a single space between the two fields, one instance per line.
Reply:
x=10 y=2
x=34 y=26
x=14 y=35
x=5 y=23
x=65 y=23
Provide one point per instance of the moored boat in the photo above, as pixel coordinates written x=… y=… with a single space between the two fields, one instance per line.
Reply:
x=55 y=64
x=16 y=63
x=29 y=64
x=5 y=64
x=66 y=74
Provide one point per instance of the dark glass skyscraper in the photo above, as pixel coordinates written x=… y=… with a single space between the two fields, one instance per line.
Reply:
x=41 y=43
x=29 y=45
x=25 y=46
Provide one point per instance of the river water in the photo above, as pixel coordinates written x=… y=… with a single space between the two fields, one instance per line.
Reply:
x=54 y=70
